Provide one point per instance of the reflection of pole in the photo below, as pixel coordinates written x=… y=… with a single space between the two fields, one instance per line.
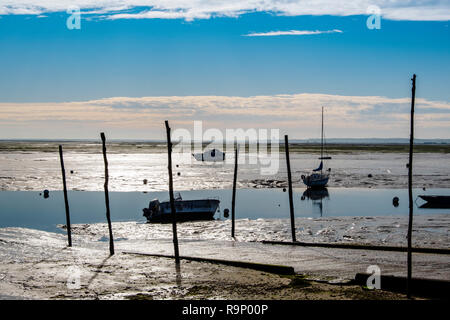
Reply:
x=172 y=201
x=66 y=201
x=233 y=200
x=411 y=145
x=291 y=200
x=108 y=214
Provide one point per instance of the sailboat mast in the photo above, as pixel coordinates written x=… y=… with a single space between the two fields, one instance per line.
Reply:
x=321 y=144
x=321 y=140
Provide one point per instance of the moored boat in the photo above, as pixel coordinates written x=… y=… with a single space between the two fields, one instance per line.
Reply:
x=316 y=180
x=319 y=178
x=186 y=210
x=436 y=202
x=213 y=155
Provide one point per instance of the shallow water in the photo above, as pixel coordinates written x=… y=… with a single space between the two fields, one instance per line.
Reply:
x=30 y=209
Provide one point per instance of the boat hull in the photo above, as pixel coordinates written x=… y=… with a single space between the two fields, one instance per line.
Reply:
x=185 y=210
x=315 y=183
x=436 y=202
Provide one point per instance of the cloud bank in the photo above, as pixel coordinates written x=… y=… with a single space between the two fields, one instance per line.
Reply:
x=296 y=114
x=290 y=33
x=421 y=10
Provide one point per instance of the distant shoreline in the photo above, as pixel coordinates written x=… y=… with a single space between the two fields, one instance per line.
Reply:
x=331 y=141
x=131 y=146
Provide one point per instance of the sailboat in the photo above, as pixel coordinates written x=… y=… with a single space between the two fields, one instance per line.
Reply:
x=318 y=178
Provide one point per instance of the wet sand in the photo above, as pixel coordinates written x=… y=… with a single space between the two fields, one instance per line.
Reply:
x=37 y=265
x=35 y=167
x=429 y=231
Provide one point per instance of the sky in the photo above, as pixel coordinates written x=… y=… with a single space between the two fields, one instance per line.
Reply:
x=231 y=64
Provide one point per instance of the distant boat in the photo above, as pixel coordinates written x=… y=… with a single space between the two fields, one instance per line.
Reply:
x=186 y=210
x=213 y=155
x=436 y=202
x=319 y=178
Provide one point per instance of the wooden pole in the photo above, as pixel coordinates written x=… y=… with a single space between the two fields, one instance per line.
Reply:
x=108 y=214
x=291 y=200
x=172 y=201
x=66 y=201
x=411 y=203
x=233 y=200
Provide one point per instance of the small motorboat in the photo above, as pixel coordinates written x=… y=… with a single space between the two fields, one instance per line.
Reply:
x=186 y=210
x=213 y=155
x=435 y=202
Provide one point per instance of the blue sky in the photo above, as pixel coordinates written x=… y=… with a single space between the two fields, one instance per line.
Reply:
x=41 y=61
x=212 y=57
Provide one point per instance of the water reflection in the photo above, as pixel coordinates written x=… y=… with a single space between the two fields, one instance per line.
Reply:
x=31 y=210
x=316 y=196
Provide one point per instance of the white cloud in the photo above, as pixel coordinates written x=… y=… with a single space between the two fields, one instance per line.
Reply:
x=204 y=9
x=296 y=114
x=290 y=33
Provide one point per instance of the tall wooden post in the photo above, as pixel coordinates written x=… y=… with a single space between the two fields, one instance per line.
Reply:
x=66 y=201
x=291 y=200
x=108 y=214
x=233 y=200
x=411 y=204
x=172 y=200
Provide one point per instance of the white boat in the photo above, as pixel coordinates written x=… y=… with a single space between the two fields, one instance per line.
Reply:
x=319 y=177
x=213 y=155
x=186 y=210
